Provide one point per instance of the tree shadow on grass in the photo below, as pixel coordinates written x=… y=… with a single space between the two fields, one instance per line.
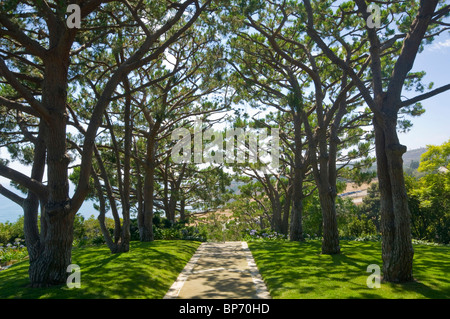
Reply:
x=418 y=287
x=298 y=269
x=147 y=271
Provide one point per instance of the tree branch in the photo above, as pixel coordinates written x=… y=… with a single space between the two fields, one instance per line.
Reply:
x=32 y=46
x=12 y=105
x=11 y=196
x=409 y=50
x=23 y=91
x=334 y=58
x=133 y=62
x=32 y=184
x=425 y=96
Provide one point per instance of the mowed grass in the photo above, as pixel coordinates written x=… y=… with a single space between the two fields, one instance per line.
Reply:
x=146 y=271
x=294 y=270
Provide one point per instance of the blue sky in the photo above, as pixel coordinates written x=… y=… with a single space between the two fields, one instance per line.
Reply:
x=432 y=127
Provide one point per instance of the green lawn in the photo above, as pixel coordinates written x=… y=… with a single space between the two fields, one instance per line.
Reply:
x=146 y=271
x=297 y=270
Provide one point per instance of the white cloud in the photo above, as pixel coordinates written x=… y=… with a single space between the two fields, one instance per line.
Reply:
x=441 y=45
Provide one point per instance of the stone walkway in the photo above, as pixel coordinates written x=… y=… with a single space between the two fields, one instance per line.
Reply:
x=221 y=270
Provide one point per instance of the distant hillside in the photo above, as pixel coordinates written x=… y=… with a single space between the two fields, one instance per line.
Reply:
x=413 y=155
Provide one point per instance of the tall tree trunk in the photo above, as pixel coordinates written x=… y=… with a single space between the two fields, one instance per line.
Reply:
x=113 y=244
x=172 y=204
x=330 y=244
x=183 y=216
x=296 y=227
x=276 y=219
x=139 y=196
x=32 y=202
x=330 y=241
x=126 y=235
x=286 y=212
x=274 y=196
x=327 y=197
x=175 y=194
x=145 y=220
x=50 y=266
x=397 y=250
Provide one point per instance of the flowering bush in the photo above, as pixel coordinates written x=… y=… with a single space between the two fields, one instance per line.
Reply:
x=10 y=253
x=264 y=234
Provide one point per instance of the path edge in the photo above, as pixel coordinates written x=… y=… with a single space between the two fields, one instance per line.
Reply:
x=175 y=289
x=261 y=289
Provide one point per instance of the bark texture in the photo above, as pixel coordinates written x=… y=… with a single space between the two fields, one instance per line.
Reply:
x=397 y=249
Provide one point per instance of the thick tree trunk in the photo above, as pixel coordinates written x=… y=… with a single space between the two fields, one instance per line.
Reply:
x=50 y=266
x=330 y=240
x=327 y=197
x=125 y=234
x=397 y=250
x=276 y=216
x=172 y=205
x=296 y=227
x=183 y=216
x=145 y=220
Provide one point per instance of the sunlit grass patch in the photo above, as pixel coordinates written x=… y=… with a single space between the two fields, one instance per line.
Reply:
x=294 y=270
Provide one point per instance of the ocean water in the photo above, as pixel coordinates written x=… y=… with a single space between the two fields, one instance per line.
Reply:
x=10 y=211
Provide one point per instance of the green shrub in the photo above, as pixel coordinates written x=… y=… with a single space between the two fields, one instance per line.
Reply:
x=10 y=231
x=165 y=229
x=358 y=227
x=12 y=252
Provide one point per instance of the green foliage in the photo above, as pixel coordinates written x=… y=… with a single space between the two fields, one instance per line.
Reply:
x=219 y=228
x=370 y=206
x=14 y=252
x=429 y=196
x=429 y=204
x=435 y=157
x=312 y=217
x=353 y=223
x=88 y=232
x=10 y=231
x=179 y=231
x=358 y=226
